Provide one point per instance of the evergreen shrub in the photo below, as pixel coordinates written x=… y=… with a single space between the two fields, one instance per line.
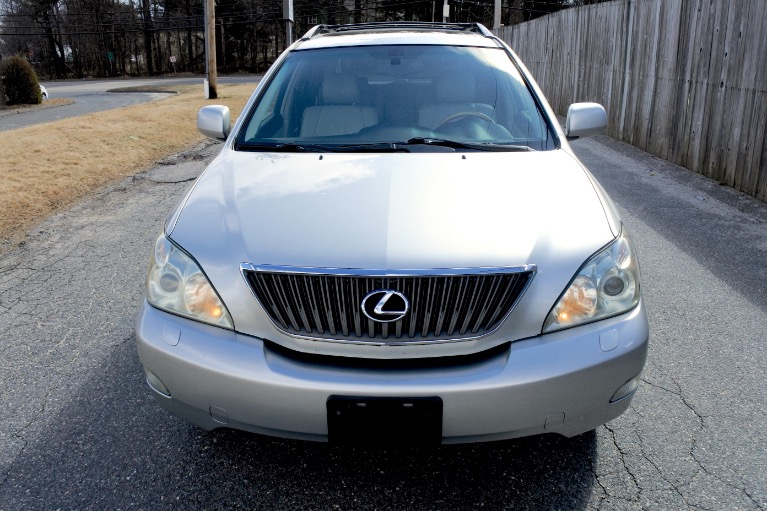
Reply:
x=20 y=82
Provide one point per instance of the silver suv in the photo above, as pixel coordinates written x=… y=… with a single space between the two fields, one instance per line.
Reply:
x=395 y=244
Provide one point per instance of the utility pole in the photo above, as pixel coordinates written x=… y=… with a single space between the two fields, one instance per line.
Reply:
x=497 y=15
x=445 y=12
x=220 y=24
x=147 y=14
x=210 y=50
x=287 y=13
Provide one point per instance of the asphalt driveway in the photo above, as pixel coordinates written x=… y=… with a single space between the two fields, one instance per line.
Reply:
x=79 y=429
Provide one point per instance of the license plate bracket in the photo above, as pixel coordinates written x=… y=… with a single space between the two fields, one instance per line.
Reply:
x=407 y=421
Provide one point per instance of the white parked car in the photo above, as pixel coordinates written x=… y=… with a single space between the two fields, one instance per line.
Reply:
x=43 y=91
x=395 y=244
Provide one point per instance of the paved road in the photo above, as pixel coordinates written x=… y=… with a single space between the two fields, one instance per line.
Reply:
x=79 y=430
x=91 y=96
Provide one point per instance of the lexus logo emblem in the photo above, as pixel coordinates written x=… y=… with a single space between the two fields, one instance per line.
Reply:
x=385 y=306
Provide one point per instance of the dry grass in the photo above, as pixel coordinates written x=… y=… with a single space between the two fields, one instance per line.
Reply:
x=46 y=167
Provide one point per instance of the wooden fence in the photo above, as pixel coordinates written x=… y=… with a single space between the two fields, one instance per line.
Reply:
x=685 y=80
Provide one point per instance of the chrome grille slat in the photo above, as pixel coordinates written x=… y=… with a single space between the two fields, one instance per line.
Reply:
x=342 y=308
x=457 y=306
x=496 y=281
x=498 y=301
x=284 y=301
x=357 y=298
x=325 y=292
x=430 y=283
x=476 y=289
x=299 y=297
x=270 y=305
x=313 y=305
x=443 y=306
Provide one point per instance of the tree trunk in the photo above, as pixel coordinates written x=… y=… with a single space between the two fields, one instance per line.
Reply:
x=54 y=46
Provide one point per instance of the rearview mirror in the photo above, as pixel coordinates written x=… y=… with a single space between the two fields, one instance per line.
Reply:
x=213 y=121
x=585 y=120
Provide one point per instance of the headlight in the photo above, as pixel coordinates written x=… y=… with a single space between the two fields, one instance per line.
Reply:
x=607 y=285
x=176 y=283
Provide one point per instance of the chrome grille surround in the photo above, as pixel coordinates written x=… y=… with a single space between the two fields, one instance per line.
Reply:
x=447 y=304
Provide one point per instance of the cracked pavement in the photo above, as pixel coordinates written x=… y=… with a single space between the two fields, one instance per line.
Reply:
x=79 y=429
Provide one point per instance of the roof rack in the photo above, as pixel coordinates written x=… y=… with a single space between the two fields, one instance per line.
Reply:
x=397 y=25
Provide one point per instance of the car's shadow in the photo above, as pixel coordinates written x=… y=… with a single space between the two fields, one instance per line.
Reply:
x=546 y=472
x=112 y=447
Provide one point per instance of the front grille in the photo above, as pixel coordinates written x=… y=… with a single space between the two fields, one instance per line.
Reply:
x=450 y=305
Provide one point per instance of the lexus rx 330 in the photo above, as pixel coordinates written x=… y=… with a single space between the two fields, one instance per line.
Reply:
x=396 y=243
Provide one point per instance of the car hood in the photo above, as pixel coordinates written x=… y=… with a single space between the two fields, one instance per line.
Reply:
x=392 y=211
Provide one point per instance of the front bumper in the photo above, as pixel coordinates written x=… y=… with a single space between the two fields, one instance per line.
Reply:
x=560 y=382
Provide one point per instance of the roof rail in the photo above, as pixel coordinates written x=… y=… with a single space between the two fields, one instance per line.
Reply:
x=397 y=25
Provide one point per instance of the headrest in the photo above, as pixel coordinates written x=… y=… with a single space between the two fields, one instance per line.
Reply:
x=457 y=89
x=340 y=89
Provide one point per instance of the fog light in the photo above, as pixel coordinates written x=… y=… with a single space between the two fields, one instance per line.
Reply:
x=156 y=384
x=626 y=389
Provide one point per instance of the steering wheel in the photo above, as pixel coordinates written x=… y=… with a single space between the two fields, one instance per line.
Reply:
x=458 y=115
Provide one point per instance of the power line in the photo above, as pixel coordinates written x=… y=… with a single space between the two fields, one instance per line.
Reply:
x=131 y=21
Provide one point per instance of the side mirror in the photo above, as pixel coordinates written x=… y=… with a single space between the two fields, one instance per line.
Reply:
x=585 y=120
x=213 y=121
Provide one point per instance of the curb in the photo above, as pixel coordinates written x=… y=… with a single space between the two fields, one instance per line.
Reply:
x=42 y=106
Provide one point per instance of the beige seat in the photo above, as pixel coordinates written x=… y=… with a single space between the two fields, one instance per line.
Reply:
x=453 y=96
x=341 y=114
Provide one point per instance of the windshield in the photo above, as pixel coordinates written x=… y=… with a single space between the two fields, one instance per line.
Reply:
x=379 y=98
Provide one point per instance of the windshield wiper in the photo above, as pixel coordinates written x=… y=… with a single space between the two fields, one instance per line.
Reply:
x=291 y=147
x=377 y=147
x=277 y=147
x=476 y=146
